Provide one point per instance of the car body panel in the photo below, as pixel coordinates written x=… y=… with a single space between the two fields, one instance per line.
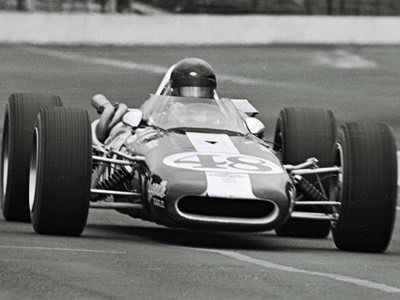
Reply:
x=208 y=177
x=209 y=165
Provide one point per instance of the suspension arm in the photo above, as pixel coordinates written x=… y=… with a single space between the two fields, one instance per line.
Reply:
x=310 y=166
x=110 y=151
x=315 y=171
x=119 y=193
x=111 y=160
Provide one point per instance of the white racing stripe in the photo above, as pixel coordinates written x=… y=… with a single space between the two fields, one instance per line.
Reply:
x=61 y=249
x=229 y=185
x=237 y=186
x=278 y=267
x=211 y=142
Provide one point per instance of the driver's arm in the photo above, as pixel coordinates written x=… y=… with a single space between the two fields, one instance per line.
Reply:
x=110 y=115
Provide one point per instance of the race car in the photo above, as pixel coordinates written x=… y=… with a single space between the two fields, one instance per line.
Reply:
x=200 y=164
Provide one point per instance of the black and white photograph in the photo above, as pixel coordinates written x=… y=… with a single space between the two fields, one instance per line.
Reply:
x=199 y=149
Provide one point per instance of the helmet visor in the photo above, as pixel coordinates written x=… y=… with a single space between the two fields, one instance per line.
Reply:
x=195 y=91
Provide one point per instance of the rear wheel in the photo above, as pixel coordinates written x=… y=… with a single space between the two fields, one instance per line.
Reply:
x=20 y=115
x=60 y=171
x=302 y=133
x=366 y=187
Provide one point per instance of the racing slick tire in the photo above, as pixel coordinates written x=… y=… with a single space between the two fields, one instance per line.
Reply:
x=366 y=187
x=60 y=171
x=302 y=133
x=20 y=116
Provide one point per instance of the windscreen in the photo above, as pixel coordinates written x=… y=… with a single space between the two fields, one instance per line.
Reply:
x=170 y=112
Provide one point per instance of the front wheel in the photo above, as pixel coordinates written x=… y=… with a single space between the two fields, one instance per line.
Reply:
x=19 y=119
x=366 y=187
x=60 y=171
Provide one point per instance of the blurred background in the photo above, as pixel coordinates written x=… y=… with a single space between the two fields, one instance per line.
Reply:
x=282 y=7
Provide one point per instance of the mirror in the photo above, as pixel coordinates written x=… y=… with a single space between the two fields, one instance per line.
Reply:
x=133 y=117
x=255 y=126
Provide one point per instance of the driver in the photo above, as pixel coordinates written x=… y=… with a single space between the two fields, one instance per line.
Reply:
x=189 y=77
x=193 y=77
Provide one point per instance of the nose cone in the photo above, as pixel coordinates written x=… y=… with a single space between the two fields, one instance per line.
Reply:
x=216 y=181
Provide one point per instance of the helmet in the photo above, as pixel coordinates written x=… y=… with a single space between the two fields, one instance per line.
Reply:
x=193 y=77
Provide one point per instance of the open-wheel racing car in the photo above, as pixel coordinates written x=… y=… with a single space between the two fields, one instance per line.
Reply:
x=200 y=163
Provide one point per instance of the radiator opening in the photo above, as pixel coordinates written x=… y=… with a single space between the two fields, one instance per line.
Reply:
x=226 y=208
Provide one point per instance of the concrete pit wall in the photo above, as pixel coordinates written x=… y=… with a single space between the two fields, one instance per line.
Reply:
x=42 y=28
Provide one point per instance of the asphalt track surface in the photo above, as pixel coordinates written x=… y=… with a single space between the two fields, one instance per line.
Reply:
x=119 y=258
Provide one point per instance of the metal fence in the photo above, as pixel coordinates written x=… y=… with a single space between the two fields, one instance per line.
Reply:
x=286 y=7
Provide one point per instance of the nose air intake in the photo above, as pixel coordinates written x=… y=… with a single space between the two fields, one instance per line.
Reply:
x=227 y=210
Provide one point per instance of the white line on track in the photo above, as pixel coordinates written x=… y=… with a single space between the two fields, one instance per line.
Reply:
x=278 y=267
x=342 y=59
x=148 y=67
x=98 y=61
x=62 y=249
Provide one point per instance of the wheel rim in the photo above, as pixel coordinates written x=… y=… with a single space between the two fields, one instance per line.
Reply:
x=4 y=159
x=336 y=186
x=33 y=170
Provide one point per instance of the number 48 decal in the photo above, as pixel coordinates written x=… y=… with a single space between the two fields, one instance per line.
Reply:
x=222 y=162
